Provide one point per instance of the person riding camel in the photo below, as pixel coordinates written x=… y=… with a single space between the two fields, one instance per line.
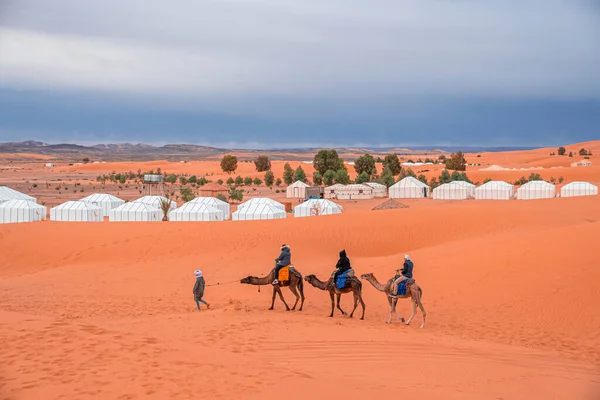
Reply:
x=342 y=265
x=406 y=273
x=284 y=259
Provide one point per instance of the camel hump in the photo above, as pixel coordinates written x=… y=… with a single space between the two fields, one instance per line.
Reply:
x=410 y=281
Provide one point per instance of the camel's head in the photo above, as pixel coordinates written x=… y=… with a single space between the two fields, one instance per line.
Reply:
x=308 y=278
x=246 y=279
x=366 y=276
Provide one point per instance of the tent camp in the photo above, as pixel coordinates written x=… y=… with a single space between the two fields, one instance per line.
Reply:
x=195 y=212
x=14 y=211
x=262 y=200
x=379 y=190
x=133 y=212
x=409 y=188
x=495 y=190
x=7 y=194
x=354 y=192
x=258 y=211
x=296 y=190
x=105 y=201
x=154 y=201
x=215 y=203
x=578 y=189
x=315 y=207
x=76 y=211
x=536 y=190
x=452 y=191
x=330 y=191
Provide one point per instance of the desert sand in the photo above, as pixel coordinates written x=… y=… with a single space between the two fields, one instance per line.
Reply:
x=511 y=289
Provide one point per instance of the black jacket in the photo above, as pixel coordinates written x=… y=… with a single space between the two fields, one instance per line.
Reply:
x=408 y=269
x=343 y=263
x=285 y=258
x=199 y=288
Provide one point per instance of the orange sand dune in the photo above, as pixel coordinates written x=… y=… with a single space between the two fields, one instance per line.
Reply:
x=105 y=310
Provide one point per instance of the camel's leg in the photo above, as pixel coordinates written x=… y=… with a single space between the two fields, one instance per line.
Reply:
x=362 y=303
x=338 y=304
x=301 y=290
x=355 y=295
x=414 y=311
x=389 y=321
x=273 y=299
x=287 y=308
x=332 y=303
x=420 y=304
x=293 y=290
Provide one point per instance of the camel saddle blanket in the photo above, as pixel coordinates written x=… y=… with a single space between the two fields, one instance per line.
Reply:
x=342 y=279
x=284 y=274
x=402 y=286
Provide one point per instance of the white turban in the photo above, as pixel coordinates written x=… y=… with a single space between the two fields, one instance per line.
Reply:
x=406 y=257
x=198 y=273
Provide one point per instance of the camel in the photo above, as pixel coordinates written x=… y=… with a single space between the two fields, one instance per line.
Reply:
x=412 y=290
x=294 y=283
x=353 y=285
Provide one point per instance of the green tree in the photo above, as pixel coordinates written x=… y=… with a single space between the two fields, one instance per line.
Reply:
x=229 y=163
x=86 y=160
x=410 y=172
x=329 y=177
x=221 y=197
x=422 y=178
x=326 y=160
x=561 y=151
x=262 y=164
x=363 y=177
x=248 y=181
x=257 y=181
x=387 y=176
x=433 y=183
x=239 y=180
x=235 y=194
x=278 y=182
x=288 y=174
x=583 y=152
x=171 y=178
x=299 y=175
x=570 y=154
x=393 y=163
x=457 y=162
x=445 y=177
x=342 y=177
x=187 y=194
x=220 y=181
x=230 y=181
x=317 y=178
x=366 y=164
x=193 y=179
x=269 y=178
x=183 y=180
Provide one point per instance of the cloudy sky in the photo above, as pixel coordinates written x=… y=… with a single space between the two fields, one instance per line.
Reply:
x=272 y=73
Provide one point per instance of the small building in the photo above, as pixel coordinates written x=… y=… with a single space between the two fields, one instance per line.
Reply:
x=155 y=201
x=452 y=191
x=379 y=190
x=578 y=189
x=15 y=211
x=330 y=191
x=536 y=190
x=262 y=200
x=106 y=201
x=582 y=163
x=213 y=202
x=213 y=189
x=76 y=211
x=354 y=192
x=135 y=212
x=409 y=188
x=316 y=207
x=296 y=190
x=195 y=212
x=258 y=211
x=495 y=190
x=49 y=165
x=7 y=194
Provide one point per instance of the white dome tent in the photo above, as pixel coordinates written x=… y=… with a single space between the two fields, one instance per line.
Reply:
x=536 y=190
x=354 y=192
x=379 y=190
x=452 y=191
x=195 y=212
x=315 y=207
x=409 y=188
x=578 y=189
x=261 y=200
x=7 y=194
x=76 y=211
x=470 y=187
x=154 y=201
x=495 y=190
x=215 y=203
x=258 y=211
x=105 y=201
x=296 y=190
x=135 y=212
x=15 y=211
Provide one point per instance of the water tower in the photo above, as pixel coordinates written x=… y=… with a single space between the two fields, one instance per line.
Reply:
x=154 y=185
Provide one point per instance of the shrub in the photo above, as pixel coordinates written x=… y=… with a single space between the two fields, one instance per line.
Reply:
x=262 y=164
x=257 y=181
x=299 y=175
x=221 y=197
x=278 y=182
x=187 y=194
x=230 y=181
x=561 y=179
x=235 y=194
x=248 y=181
x=561 y=151
x=229 y=163
x=269 y=178
x=239 y=181
x=457 y=162
x=288 y=174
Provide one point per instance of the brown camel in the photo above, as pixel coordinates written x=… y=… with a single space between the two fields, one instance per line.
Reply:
x=294 y=283
x=353 y=285
x=412 y=290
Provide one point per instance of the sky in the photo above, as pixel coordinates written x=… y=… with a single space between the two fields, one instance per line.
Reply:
x=301 y=73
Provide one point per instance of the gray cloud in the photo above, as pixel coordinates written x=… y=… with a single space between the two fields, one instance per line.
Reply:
x=222 y=53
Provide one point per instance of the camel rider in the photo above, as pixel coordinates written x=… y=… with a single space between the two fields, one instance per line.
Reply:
x=406 y=273
x=284 y=259
x=342 y=265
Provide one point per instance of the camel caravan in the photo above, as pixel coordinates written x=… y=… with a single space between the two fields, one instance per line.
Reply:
x=341 y=281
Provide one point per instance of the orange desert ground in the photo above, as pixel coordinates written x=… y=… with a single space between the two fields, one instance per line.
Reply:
x=511 y=290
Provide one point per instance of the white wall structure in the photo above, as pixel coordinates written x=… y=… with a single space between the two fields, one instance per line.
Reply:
x=76 y=211
x=215 y=203
x=105 y=201
x=578 y=189
x=296 y=190
x=15 y=211
x=409 y=188
x=195 y=212
x=536 y=190
x=379 y=190
x=262 y=200
x=258 y=211
x=354 y=192
x=154 y=201
x=451 y=191
x=330 y=191
x=495 y=190
x=470 y=187
x=316 y=207
x=7 y=194
x=135 y=212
